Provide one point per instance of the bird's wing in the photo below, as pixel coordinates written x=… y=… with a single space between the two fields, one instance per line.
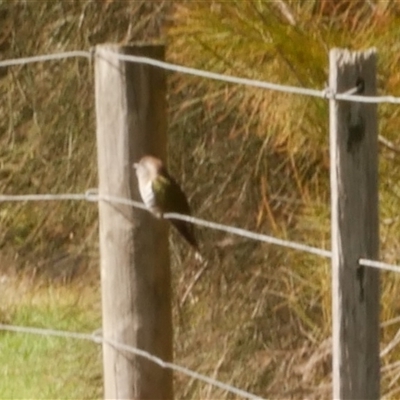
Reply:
x=171 y=197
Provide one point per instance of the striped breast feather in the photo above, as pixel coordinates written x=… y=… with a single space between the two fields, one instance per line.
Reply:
x=161 y=190
x=147 y=194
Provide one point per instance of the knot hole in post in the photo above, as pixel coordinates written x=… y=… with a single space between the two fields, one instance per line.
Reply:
x=360 y=85
x=356 y=122
x=361 y=280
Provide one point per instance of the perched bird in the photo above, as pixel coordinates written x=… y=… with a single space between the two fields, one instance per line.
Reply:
x=161 y=194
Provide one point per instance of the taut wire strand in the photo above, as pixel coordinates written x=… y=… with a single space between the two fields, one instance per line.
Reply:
x=45 y=57
x=92 y=195
x=124 y=347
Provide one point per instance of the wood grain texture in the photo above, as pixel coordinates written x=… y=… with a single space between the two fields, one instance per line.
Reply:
x=355 y=230
x=135 y=270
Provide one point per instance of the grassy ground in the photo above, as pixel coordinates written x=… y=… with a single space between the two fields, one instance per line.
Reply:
x=40 y=367
x=259 y=318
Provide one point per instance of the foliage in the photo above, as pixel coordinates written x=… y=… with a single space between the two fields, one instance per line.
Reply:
x=282 y=149
x=259 y=316
x=43 y=367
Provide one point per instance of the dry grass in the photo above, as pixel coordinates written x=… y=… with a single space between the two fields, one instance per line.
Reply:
x=259 y=317
x=269 y=156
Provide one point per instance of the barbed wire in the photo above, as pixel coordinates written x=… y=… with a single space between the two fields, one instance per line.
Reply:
x=98 y=339
x=325 y=93
x=92 y=195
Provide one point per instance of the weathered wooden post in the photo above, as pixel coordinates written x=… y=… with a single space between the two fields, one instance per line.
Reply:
x=355 y=230
x=135 y=272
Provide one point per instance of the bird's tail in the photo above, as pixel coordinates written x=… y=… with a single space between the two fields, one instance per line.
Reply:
x=186 y=229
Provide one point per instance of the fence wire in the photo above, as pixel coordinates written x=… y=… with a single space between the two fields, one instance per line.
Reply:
x=45 y=57
x=92 y=195
x=325 y=93
x=93 y=337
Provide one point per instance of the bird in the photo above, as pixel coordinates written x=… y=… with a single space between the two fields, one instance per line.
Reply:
x=161 y=194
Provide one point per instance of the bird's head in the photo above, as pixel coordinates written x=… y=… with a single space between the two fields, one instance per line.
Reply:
x=148 y=168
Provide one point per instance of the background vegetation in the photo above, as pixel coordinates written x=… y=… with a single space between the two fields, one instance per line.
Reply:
x=259 y=317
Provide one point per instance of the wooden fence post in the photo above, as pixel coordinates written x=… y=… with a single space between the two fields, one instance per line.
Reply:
x=355 y=235
x=135 y=271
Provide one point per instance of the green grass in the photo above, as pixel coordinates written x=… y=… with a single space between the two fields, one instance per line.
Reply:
x=41 y=367
x=260 y=316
